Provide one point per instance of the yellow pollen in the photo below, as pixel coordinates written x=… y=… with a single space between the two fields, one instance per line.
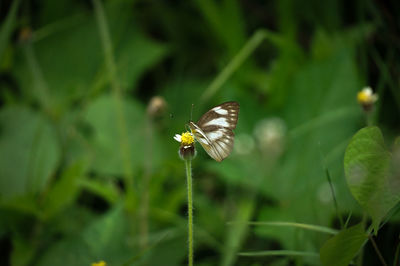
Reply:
x=187 y=138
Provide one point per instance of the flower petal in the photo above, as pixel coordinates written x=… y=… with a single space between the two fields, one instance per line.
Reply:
x=178 y=138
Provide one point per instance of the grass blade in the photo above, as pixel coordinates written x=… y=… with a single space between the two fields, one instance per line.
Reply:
x=311 y=227
x=278 y=253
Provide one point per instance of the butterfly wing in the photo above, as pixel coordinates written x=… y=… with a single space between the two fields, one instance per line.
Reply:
x=214 y=131
x=207 y=145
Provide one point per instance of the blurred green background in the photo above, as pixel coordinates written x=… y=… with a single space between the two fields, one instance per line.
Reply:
x=92 y=93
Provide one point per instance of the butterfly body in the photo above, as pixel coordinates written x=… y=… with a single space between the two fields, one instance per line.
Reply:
x=214 y=130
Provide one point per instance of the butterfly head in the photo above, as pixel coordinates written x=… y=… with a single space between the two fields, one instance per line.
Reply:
x=187 y=126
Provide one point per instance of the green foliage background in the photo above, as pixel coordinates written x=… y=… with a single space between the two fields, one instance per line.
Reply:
x=89 y=171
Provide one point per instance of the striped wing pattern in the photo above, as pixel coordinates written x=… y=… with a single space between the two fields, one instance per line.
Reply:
x=214 y=130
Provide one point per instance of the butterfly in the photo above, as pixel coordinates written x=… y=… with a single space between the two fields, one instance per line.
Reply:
x=214 y=130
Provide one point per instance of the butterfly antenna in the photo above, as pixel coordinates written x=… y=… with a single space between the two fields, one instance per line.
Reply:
x=191 y=114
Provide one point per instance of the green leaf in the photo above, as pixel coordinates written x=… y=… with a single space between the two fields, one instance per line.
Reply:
x=7 y=28
x=367 y=166
x=29 y=152
x=72 y=61
x=104 y=239
x=26 y=204
x=135 y=55
x=67 y=252
x=106 y=236
x=23 y=251
x=341 y=249
x=103 y=188
x=108 y=139
x=225 y=22
x=65 y=189
x=237 y=232
x=169 y=249
x=397 y=143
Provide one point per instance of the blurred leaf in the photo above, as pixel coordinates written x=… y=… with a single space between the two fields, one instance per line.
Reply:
x=71 y=251
x=233 y=172
x=136 y=54
x=51 y=12
x=236 y=233
x=65 y=190
x=321 y=114
x=285 y=236
x=104 y=189
x=23 y=251
x=26 y=204
x=63 y=224
x=71 y=58
x=326 y=43
x=341 y=249
x=102 y=117
x=171 y=250
x=104 y=239
x=7 y=28
x=368 y=174
x=226 y=22
x=29 y=151
x=60 y=58
x=397 y=143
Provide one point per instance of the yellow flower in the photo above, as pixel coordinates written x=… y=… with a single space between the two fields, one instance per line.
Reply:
x=100 y=263
x=186 y=150
x=185 y=139
x=366 y=96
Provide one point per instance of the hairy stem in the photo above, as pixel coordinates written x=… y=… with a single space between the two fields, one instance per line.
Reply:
x=188 y=164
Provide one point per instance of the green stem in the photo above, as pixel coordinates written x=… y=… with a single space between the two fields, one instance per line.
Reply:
x=396 y=255
x=255 y=40
x=145 y=196
x=117 y=95
x=188 y=164
x=361 y=253
x=335 y=204
x=371 y=238
x=7 y=28
x=369 y=118
x=40 y=87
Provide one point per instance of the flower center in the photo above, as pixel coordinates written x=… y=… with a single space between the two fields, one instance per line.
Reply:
x=187 y=138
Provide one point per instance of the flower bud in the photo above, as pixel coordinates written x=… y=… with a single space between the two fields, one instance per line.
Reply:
x=156 y=107
x=187 y=152
x=366 y=98
x=271 y=135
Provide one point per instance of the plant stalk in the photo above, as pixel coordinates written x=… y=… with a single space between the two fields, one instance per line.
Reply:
x=258 y=37
x=118 y=99
x=188 y=164
x=371 y=238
